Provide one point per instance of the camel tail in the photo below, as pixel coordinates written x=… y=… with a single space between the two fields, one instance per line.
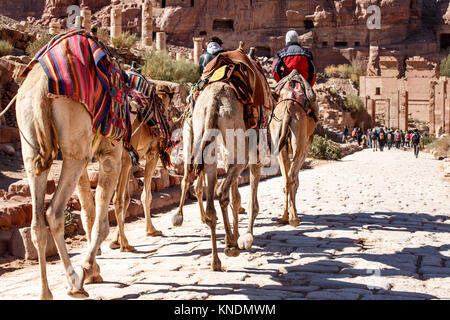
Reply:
x=284 y=130
x=45 y=135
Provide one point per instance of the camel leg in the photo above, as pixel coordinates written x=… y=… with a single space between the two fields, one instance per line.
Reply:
x=298 y=142
x=223 y=193
x=210 y=213
x=297 y=163
x=199 y=194
x=246 y=240
x=70 y=175
x=38 y=228
x=146 y=197
x=285 y=167
x=121 y=203
x=87 y=203
x=236 y=208
x=177 y=218
x=110 y=160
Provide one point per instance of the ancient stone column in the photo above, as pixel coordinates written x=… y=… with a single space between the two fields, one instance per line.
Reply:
x=79 y=22
x=86 y=14
x=372 y=104
x=405 y=109
x=373 y=66
x=198 y=47
x=147 y=24
x=191 y=56
x=431 y=106
x=55 y=28
x=179 y=56
x=116 y=21
x=161 y=41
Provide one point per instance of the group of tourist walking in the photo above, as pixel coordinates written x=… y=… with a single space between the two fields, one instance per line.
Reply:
x=379 y=138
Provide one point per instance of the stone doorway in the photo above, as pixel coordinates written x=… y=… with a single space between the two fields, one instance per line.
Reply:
x=445 y=40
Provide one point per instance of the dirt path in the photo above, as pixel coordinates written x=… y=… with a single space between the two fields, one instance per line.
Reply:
x=374 y=226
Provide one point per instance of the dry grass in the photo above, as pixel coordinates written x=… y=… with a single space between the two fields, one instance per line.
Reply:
x=6 y=48
x=440 y=147
x=38 y=44
x=125 y=40
x=161 y=66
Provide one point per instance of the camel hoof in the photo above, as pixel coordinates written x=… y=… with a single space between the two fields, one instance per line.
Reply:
x=78 y=293
x=47 y=295
x=177 y=220
x=94 y=279
x=127 y=249
x=294 y=222
x=241 y=210
x=245 y=241
x=283 y=221
x=156 y=233
x=216 y=266
x=114 y=245
x=232 y=252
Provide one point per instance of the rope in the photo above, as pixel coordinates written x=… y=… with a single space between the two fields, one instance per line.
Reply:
x=9 y=106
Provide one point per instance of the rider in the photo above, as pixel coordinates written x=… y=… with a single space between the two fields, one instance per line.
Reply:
x=214 y=47
x=294 y=56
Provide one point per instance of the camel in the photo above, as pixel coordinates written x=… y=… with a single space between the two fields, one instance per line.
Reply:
x=148 y=147
x=218 y=109
x=295 y=130
x=47 y=124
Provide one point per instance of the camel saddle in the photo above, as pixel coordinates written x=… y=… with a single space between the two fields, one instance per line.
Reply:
x=247 y=79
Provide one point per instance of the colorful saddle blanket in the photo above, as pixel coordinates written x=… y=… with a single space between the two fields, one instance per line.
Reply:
x=151 y=111
x=79 y=67
x=144 y=94
x=247 y=79
x=295 y=92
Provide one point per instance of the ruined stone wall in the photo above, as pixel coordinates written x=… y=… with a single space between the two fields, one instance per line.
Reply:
x=22 y=9
x=420 y=95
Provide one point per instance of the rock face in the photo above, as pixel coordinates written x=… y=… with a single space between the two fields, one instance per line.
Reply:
x=336 y=31
x=21 y=9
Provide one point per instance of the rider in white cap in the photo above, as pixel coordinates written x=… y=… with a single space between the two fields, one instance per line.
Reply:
x=294 y=56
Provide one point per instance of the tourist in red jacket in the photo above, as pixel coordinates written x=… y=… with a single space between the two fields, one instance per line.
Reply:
x=294 y=56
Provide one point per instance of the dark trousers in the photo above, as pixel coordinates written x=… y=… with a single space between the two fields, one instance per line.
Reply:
x=416 y=150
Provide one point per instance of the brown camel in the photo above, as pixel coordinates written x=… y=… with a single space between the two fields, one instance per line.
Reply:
x=148 y=147
x=219 y=112
x=47 y=124
x=295 y=130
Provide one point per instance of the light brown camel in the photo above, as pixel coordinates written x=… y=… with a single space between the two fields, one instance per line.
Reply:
x=148 y=148
x=294 y=131
x=218 y=111
x=47 y=124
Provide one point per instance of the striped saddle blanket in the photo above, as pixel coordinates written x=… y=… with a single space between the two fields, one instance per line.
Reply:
x=151 y=110
x=80 y=67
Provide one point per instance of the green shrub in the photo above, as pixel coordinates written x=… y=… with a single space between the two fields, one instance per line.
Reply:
x=6 y=48
x=161 y=66
x=38 y=44
x=125 y=40
x=445 y=67
x=322 y=76
x=353 y=104
x=428 y=139
x=324 y=149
